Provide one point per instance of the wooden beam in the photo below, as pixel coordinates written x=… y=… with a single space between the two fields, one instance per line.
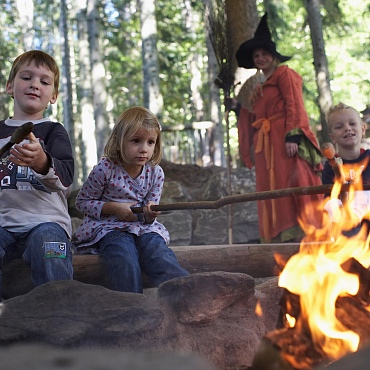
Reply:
x=256 y=260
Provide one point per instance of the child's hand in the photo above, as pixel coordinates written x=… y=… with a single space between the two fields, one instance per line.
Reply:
x=30 y=155
x=123 y=211
x=150 y=215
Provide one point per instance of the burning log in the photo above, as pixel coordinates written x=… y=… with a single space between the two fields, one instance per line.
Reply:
x=325 y=303
x=293 y=348
x=290 y=348
x=355 y=361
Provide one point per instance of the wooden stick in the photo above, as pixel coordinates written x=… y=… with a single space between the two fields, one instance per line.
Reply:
x=248 y=197
x=18 y=135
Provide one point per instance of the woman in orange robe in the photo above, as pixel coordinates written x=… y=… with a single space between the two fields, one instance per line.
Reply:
x=286 y=151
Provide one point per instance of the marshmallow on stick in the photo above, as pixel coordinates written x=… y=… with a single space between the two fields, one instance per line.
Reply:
x=328 y=151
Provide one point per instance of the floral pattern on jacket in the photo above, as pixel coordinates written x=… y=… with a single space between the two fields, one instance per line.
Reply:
x=109 y=182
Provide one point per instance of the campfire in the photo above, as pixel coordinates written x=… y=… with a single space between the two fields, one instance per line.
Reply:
x=325 y=305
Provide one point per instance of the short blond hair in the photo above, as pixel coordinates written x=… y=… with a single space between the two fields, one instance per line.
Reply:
x=128 y=122
x=40 y=58
x=340 y=107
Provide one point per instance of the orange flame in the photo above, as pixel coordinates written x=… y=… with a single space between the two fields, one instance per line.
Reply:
x=316 y=276
x=258 y=310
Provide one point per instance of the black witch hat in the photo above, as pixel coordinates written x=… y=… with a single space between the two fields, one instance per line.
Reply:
x=261 y=39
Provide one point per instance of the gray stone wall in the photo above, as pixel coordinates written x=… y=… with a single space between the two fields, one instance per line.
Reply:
x=189 y=183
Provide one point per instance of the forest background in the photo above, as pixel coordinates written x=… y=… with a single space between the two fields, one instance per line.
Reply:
x=178 y=59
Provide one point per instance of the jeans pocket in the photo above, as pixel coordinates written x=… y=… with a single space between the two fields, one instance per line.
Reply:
x=55 y=250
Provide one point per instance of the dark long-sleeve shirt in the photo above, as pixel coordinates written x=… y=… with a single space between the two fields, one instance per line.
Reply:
x=28 y=198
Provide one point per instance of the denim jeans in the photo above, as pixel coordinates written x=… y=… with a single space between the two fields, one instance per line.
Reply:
x=126 y=254
x=46 y=248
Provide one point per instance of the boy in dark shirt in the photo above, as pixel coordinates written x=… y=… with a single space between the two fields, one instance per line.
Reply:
x=36 y=175
x=347 y=130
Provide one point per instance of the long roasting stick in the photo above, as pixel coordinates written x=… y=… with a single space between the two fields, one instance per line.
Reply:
x=248 y=197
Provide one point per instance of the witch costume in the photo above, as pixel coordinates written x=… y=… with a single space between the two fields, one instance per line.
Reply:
x=279 y=116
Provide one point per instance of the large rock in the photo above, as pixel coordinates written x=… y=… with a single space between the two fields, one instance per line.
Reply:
x=212 y=315
x=189 y=183
x=43 y=357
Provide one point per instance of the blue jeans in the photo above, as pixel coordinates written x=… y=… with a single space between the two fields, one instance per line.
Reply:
x=126 y=254
x=46 y=248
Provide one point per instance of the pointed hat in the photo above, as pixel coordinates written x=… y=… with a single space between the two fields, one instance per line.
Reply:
x=261 y=39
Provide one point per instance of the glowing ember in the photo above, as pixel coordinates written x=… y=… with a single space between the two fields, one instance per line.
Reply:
x=258 y=309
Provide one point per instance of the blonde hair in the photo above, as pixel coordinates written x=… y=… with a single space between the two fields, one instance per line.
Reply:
x=40 y=58
x=127 y=124
x=340 y=107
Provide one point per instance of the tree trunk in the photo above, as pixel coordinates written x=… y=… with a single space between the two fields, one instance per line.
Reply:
x=217 y=153
x=86 y=132
x=191 y=19
x=243 y=19
x=68 y=119
x=97 y=76
x=320 y=63
x=25 y=11
x=153 y=99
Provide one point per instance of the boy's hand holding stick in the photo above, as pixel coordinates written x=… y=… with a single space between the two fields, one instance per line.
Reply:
x=18 y=136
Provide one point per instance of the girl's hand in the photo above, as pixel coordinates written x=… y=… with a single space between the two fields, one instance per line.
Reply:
x=291 y=149
x=122 y=211
x=30 y=155
x=150 y=215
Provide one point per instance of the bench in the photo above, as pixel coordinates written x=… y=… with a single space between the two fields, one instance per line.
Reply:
x=257 y=260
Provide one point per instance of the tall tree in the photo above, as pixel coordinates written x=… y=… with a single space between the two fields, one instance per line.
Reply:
x=9 y=48
x=217 y=152
x=66 y=73
x=118 y=75
x=86 y=128
x=68 y=118
x=153 y=99
x=243 y=19
x=25 y=10
x=97 y=76
x=191 y=19
x=320 y=63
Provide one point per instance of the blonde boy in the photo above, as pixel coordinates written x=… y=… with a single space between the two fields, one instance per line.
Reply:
x=347 y=130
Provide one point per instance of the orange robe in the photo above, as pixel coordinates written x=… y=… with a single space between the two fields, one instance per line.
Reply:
x=277 y=112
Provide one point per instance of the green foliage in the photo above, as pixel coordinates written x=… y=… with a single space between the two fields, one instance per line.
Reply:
x=121 y=40
x=346 y=33
x=346 y=30
x=9 y=41
x=175 y=44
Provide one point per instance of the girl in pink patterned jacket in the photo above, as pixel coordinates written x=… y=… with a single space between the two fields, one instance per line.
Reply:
x=128 y=175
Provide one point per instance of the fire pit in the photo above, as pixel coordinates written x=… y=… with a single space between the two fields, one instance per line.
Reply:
x=325 y=306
